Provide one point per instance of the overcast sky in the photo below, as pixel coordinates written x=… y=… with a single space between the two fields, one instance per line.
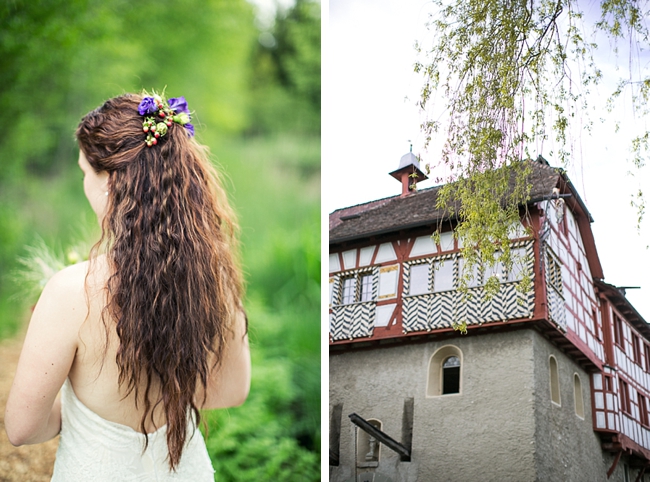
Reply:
x=369 y=116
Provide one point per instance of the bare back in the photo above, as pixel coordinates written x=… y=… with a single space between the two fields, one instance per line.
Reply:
x=94 y=372
x=66 y=338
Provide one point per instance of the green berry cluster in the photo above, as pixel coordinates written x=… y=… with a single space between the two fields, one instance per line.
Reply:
x=155 y=129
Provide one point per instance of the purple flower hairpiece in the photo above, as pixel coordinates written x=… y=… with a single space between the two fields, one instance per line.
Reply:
x=147 y=106
x=168 y=111
x=178 y=104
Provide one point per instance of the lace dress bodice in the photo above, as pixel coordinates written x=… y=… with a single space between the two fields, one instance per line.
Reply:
x=92 y=449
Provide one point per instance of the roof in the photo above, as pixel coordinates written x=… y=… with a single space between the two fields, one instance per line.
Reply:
x=616 y=296
x=419 y=208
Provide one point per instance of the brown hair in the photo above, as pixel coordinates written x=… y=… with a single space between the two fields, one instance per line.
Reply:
x=169 y=238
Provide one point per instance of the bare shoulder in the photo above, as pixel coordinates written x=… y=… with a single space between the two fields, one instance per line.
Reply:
x=69 y=278
x=74 y=281
x=65 y=298
x=57 y=317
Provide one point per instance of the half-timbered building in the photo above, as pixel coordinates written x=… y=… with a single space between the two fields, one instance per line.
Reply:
x=550 y=384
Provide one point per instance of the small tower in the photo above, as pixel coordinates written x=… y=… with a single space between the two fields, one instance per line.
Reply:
x=409 y=173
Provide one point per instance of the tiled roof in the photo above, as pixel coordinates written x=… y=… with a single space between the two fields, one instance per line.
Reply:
x=617 y=297
x=342 y=215
x=416 y=209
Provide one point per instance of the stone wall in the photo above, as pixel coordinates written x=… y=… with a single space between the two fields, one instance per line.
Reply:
x=502 y=426
x=566 y=446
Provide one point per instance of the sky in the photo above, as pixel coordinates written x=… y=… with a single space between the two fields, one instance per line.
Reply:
x=370 y=118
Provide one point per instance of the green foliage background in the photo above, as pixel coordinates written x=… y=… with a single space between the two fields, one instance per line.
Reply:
x=257 y=106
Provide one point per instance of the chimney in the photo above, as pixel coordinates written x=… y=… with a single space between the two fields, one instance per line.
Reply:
x=409 y=173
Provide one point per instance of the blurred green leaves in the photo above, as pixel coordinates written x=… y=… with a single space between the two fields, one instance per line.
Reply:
x=275 y=435
x=265 y=439
x=290 y=56
x=62 y=58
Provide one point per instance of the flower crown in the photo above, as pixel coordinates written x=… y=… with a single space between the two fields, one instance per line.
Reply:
x=167 y=111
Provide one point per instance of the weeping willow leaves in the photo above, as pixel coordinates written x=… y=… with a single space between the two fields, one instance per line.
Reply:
x=504 y=77
x=488 y=205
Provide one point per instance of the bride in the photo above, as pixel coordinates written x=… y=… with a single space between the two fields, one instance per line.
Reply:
x=151 y=329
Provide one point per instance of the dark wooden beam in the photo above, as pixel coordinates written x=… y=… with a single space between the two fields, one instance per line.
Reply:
x=612 y=447
x=613 y=467
x=384 y=438
x=639 y=477
x=334 y=458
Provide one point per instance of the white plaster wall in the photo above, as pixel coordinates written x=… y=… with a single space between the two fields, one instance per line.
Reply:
x=423 y=245
x=385 y=253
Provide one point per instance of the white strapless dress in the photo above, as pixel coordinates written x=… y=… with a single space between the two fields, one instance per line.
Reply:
x=92 y=449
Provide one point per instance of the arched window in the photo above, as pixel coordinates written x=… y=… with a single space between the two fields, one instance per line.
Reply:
x=577 y=396
x=451 y=375
x=368 y=446
x=555 y=380
x=445 y=369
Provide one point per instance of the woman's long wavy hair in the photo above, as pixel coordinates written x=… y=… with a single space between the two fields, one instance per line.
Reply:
x=169 y=236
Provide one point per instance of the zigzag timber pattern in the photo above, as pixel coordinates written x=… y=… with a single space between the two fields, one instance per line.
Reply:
x=555 y=295
x=354 y=320
x=432 y=311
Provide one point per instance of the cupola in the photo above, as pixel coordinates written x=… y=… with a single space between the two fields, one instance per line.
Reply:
x=409 y=173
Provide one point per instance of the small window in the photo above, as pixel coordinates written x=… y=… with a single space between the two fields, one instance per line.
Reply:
x=554 y=272
x=419 y=281
x=577 y=396
x=636 y=346
x=594 y=322
x=356 y=288
x=366 y=287
x=643 y=410
x=349 y=290
x=451 y=375
x=555 y=380
x=445 y=372
x=608 y=383
x=618 y=332
x=443 y=275
x=518 y=267
x=646 y=348
x=625 y=397
x=473 y=276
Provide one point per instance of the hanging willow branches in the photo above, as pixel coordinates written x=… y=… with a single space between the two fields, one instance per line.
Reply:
x=507 y=77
